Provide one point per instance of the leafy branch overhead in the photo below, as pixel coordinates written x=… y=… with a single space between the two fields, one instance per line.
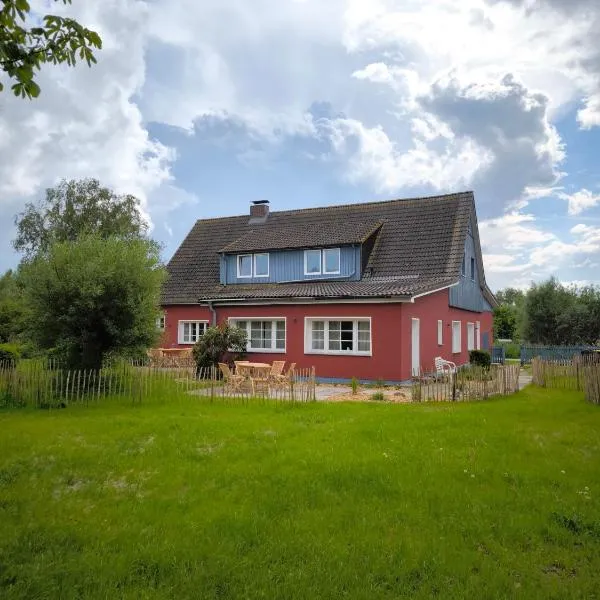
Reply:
x=28 y=41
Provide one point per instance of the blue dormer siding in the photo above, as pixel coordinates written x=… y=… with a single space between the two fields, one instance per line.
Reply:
x=288 y=265
x=467 y=294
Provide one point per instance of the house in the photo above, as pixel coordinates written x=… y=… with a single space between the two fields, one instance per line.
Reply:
x=373 y=291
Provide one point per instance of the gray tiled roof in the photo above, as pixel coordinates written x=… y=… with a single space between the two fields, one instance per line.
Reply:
x=327 y=232
x=419 y=248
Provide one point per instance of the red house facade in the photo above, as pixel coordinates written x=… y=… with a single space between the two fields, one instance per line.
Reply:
x=372 y=291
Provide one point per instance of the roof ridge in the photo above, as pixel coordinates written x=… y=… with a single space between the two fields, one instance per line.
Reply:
x=296 y=211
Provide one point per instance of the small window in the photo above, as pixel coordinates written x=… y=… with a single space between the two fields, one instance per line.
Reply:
x=312 y=262
x=190 y=331
x=463 y=268
x=244 y=265
x=331 y=260
x=473 y=269
x=456 y=342
x=160 y=322
x=261 y=265
x=440 y=332
x=470 y=336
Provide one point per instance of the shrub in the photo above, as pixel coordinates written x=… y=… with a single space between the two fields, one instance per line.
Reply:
x=512 y=351
x=377 y=396
x=9 y=352
x=480 y=358
x=219 y=344
x=354 y=385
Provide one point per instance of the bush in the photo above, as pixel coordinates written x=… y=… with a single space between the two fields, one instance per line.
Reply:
x=354 y=385
x=219 y=344
x=512 y=351
x=377 y=396
x=480 y=358
x=9 y=352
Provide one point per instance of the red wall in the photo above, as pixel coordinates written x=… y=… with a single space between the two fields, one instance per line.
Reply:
x=390 y=334
x=428 y=309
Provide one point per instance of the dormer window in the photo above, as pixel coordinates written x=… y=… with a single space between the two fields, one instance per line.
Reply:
x=244 y=265
x=252 y=265
x=322 y=262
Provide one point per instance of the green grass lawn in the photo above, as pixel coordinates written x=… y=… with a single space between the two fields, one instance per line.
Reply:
x=496 y=499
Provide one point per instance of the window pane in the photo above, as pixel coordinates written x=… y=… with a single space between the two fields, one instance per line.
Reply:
x=280 y=335
x=472 y=268
x=364 y=336
x=245 y=265
x=261 y=265
x=318 y=335
x=331 y=260
x=313 y=261
x=335 y=333
x=256 y=334
x=347 y=331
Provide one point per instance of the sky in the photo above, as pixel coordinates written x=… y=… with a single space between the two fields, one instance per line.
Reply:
x=199 y=108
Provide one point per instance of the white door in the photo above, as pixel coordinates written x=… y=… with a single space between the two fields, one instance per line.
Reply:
x=416 y=349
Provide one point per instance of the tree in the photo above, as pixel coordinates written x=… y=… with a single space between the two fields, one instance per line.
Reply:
x=505 y=322
x=12 y=312
x=77 y=208
x=545 y=305
x=50 y=39
x=219 y=344
x=93 y=296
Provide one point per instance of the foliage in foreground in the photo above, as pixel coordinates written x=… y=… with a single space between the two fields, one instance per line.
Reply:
x=52 y=39
x=483 y=500
x=92 y=296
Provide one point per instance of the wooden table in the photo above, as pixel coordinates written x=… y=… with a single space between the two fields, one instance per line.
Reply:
x=252 y=369
x=257 y=373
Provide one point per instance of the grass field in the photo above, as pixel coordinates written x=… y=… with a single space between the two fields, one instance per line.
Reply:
x=495 y=499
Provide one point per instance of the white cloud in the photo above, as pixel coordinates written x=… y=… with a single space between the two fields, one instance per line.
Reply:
x=580 y=201
x=376 y=158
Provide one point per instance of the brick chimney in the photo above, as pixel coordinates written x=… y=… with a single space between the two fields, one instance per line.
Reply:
x=259 y=209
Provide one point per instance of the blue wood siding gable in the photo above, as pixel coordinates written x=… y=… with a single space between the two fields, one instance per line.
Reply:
x=288 y=265
x=467 y=294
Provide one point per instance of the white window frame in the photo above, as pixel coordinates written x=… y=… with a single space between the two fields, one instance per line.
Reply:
x=161 y=322
x=324 y=264
x=180 y=330
x=456 y=337
x=440 y=332
x=238 y=262
x=477 y=335
x=320 y=262
x=254 y=263
x=273 y=350
x=322 y=270
x=470 y=336
x=308 y=349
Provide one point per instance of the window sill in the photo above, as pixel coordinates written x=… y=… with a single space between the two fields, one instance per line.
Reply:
x=337 y=353
x=265 y=351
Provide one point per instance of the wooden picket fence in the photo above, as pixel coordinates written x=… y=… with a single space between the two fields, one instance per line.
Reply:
x=42 y=385
x=580 y=373
x=473 y=383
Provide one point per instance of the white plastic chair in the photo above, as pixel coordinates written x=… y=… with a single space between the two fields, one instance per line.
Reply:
x=444 y=367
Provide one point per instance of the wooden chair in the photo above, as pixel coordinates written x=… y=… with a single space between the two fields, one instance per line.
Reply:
x=277 y=368
x=284 y=380
x=232 y=381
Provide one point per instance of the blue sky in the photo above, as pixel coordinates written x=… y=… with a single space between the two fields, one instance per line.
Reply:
x=199 y=108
